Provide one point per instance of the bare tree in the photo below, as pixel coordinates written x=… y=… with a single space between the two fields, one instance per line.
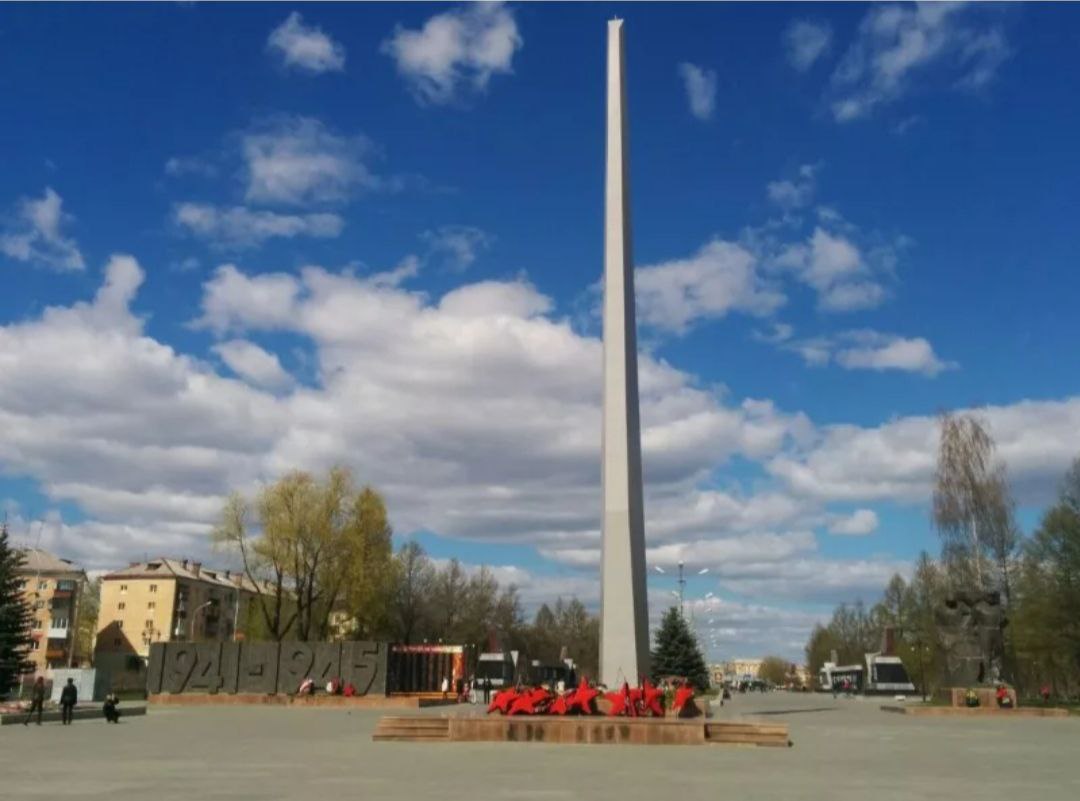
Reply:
x=973 y=508
x=414 y=581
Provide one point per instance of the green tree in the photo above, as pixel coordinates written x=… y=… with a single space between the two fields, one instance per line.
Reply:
x=819 y=648
x=86 y=625
x=677 y=652
x=774 y=670
x=15 y=618
x=319 y=544
x=1047 y=617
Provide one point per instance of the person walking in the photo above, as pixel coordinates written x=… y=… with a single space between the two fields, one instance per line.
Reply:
x=69 y=696
x=37 y=701
x=445 y=686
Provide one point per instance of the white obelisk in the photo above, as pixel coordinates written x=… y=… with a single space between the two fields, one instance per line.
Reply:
x=624 y=612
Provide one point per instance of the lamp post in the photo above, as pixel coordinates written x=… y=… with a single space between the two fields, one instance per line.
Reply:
x=681 y=581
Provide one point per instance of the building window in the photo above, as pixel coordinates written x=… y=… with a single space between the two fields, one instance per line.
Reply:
x=123 y=588
x=59 y=623
x=117 y=642
x=35 y=645
x=151 y=605
x=121 y=605
x=39 y=604
x=43 y=585
x=38 y=622
x=153 y=588
x=149 y=624
x=120 y=624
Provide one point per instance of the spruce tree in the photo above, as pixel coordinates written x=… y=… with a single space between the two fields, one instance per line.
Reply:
x=677 y=652
x=15 y=618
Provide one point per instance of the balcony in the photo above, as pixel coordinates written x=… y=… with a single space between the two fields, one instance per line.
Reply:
x=57 y=633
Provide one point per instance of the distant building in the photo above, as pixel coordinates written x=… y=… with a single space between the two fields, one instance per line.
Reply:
x=166 y=600
x=717 y=675
x=740 y=668
x=52 y=587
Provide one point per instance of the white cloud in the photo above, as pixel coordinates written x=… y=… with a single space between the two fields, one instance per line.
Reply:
x=253 y=364
x=298 y=161
x=895 y=461
x=235 y=301
x=870 y=350
x=780 y=332
x=457 y=245
x=859 y=523
x=33 y=234
x=720 y=278
x=896 y=43
x=239 y=227
x=700 y=89
x=305 y=47
x=836 y=268
x=190 y=165
x=794 y=194
x=805 y=42
x=455 y=52
x=471 y=411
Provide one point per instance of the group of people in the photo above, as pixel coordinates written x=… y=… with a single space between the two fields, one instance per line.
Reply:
x=465 y=691
x=333 y=687
x=69 y=697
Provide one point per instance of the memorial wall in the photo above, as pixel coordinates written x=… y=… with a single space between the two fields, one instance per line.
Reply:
x=265 y=667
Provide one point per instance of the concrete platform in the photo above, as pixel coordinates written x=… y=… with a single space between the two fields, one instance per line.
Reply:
x=579 y=730
x=845 y=750
x=301 y=701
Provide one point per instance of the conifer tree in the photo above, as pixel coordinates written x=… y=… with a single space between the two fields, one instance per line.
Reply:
x=677 y=652
x=15 y=618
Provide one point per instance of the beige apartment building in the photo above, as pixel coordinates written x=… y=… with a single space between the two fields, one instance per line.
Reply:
x=52 y=588
x=165 y=600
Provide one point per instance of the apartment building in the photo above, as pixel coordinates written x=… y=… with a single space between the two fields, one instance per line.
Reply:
x=52 y=587
x=164 y=600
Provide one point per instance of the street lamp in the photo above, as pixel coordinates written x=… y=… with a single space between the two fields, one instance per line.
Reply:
x=681 y=581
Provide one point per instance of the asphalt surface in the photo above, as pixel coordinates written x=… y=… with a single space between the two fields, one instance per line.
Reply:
x=844 y=750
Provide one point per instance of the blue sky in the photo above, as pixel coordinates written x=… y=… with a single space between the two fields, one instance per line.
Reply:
x=240 y=239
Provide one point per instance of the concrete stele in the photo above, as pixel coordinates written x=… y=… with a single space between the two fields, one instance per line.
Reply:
x=624 y=614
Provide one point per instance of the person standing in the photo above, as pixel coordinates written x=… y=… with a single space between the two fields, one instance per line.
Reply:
x=445 y=686
x=37 y=701
x=69 y=696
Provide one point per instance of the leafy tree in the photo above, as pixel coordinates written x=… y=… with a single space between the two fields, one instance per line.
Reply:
x=774 y=670
x=568 y=627
x=15 y=618
x=677 y=652
x=320 y=544
x=86 y=626
x=1047 y=616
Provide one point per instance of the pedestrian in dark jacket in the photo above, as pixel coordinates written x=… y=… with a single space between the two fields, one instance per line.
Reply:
x=112 y=714
x=69 y=696
x=37 y=701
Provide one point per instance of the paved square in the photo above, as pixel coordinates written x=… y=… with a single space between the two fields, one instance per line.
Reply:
x=845 y=750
